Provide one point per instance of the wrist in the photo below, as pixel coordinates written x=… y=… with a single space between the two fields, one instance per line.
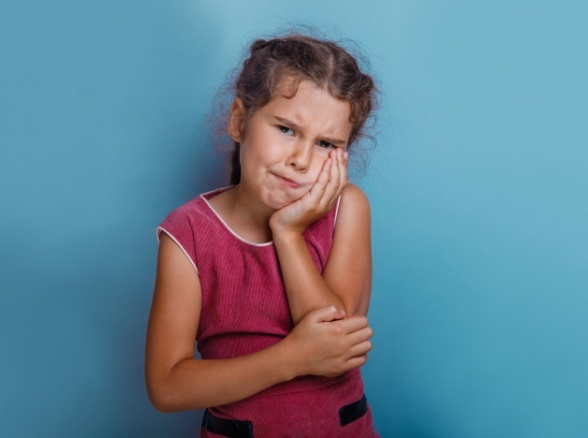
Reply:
x=279 y=226
x=287 y=236
x=289 y=366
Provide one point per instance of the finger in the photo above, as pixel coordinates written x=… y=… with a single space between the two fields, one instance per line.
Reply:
x=342 y=168
x=344 y=165
x=325 y=197
x=362 y=335
x=339 y=178
x=360 y=349
x=333 y=188
x=326 y=314
x=353 y=323
x=317 y=190
x=356 y=362
x=336 y=169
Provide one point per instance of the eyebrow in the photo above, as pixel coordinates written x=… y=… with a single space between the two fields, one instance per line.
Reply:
x=335 y=141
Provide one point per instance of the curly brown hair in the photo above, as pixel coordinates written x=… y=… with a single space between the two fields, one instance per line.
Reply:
x=299 y=57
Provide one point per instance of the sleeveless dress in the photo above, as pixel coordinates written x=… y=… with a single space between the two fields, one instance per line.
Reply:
x=244 y=310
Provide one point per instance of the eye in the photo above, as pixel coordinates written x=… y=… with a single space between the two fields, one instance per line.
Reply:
x=326 y=144
x=286 y=130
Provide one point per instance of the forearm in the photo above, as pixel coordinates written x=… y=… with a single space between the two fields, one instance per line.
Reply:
x=199 y=383
x=306 y=289
x=322 y=344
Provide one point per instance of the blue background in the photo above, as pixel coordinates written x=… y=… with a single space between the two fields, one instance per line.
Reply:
x=478 y=188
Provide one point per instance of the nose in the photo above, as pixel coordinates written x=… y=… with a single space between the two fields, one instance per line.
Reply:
x=300 y=157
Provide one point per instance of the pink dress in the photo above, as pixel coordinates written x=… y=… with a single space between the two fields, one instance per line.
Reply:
x=244 y=310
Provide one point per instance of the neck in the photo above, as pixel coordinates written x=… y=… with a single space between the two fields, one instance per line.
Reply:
x=253 y=216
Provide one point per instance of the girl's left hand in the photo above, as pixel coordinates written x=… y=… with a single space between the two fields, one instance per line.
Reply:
x=323 y=195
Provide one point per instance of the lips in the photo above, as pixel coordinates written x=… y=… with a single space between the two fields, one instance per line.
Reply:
x=287 y=181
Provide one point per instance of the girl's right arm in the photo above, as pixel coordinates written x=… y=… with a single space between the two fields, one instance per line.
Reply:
x=176 y=381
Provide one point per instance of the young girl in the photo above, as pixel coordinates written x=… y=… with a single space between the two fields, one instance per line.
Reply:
x=272 y=275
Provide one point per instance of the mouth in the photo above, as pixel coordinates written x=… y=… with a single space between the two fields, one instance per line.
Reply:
x=287 y=181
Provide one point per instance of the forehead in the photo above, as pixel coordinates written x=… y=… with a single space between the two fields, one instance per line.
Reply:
x=309 y=104
x=291 y=86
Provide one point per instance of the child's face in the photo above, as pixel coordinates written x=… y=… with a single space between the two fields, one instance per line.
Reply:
x=285 y=143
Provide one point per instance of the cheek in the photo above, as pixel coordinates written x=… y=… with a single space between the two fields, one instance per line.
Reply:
x=317 y=167
x=250 y=156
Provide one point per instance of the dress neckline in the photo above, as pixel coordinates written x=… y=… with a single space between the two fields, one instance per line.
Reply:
x=209 y=195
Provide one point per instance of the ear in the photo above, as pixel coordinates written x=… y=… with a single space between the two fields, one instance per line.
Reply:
x=236 y=125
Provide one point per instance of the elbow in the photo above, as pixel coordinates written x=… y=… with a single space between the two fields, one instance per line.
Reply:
x=355 y=310
x=358 y=307
x=350 y=311
x=161 y=398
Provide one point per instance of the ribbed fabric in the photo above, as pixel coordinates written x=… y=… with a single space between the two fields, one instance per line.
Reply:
x=245 y=309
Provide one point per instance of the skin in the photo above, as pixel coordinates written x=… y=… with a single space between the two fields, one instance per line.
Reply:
x=293 y=170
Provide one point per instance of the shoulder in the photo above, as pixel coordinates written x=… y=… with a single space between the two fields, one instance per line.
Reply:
x=199 y=205
x=193 y=206
x=354 y=194
x=354 y=204
x=180 y=218
x=184 y=226
x=189 y=215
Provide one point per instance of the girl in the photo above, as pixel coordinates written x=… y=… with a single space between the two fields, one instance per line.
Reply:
x=272 y=275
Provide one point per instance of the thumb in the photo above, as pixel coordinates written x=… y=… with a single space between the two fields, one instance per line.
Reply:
x=326 y=314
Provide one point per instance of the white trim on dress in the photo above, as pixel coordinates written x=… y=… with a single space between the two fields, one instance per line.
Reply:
x=203 y=196
x=158 y=233
x=336 y=212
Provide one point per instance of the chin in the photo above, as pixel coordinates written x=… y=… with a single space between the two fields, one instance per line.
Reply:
x=276 y=205
x=277 y=202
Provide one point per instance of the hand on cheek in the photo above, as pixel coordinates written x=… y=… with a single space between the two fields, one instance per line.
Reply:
x=321 y=197
x=331 y=180
x=338 y=171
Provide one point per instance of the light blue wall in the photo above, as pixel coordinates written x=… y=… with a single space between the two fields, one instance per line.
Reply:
x=479 y=194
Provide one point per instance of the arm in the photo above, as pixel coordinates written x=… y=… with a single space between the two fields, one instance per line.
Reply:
x=346 y=279
x=176 y=381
